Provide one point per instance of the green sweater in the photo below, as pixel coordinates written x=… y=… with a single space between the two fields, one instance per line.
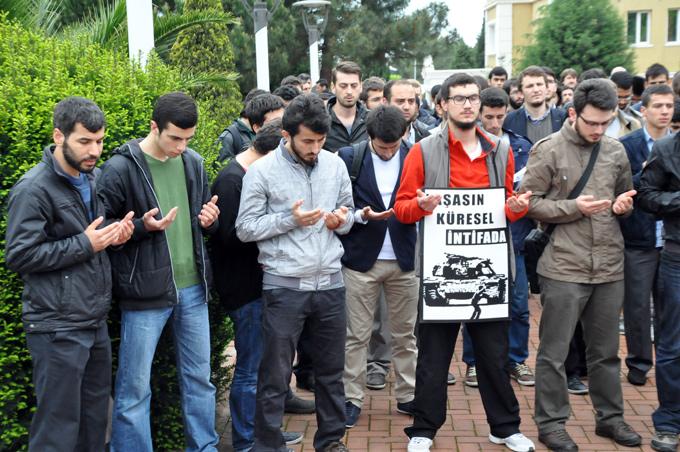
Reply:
x=170 y=193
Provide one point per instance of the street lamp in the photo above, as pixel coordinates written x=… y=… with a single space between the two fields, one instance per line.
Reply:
x=261 y=16
x=314 y=16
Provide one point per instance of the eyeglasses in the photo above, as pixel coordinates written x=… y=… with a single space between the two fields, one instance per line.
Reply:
x=596 y=124
x=460 y=100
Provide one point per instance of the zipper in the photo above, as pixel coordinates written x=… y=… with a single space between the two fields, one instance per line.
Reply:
x=134 y=265
x=316 y=234
x=172 y=271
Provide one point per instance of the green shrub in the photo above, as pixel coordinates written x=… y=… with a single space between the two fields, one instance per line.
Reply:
x=35 y=73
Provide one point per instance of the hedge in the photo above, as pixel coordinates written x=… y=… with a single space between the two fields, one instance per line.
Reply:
x=35 y=73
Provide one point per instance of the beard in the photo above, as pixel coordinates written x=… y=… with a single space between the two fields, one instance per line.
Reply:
x=345 y=103
x=73 y=161
x=516 y=104
x=464 y=125
x=309 y=159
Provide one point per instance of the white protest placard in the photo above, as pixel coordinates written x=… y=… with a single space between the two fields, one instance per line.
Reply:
x=465 y=257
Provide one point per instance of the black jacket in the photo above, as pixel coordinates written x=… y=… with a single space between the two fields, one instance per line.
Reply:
x=338 y=137
x=142 y=270
x=67 y=286
x=639 y=228
x=659 y=191
x=234 y=139
x=516 y=120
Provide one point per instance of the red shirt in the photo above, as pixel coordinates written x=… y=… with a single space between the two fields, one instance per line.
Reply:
x=463 y=174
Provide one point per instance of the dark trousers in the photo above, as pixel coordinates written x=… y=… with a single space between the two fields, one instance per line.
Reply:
x=379 y=350
x=575 y=365
x=667 y=332
x=436 y=342
x=72 y=379
x=285 y=314
x=639 y=280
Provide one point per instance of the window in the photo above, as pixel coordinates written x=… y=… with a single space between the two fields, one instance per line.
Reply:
x=638 y=27
x=673 y=25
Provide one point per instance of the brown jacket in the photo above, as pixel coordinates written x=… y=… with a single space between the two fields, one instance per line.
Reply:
x=582 y=249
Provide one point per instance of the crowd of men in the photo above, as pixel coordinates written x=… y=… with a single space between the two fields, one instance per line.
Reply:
x=312 y=238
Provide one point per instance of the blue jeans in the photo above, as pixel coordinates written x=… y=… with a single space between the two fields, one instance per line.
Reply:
x=140 y=332
x=667 y=337
x=248 y=342
x=519 y=320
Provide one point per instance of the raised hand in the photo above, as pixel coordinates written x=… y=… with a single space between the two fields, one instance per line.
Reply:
x=369 y=214
x=151 y=224
x=101 y=238
x=518 y=202
x=305 y=217
x=336 y=218
x=125 y=229
x=588 y=205
x=624 y=202
x=209 y=212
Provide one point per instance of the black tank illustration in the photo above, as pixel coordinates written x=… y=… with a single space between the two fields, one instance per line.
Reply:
x=464 y=281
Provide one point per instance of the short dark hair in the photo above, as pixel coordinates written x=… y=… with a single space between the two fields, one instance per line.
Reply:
x=568 y=71
x=304 y=77
x=531 y=71
x=290 y=80
x=73 y=110
x=598 y=92
x=386 y=123
x=371 y=84
x=268 y=137
x=676 y=83
x=435 y=90
x=260 y=105
x=498 y=71
x=387 y=90
x=176 y=108
x=623 y=79
x=494 y=97
x=481 y=81
x=286 y=92
x=454 y=80
x=592 y=73
x=307 y=110
x=676 y=110
x=507 y=86
x=656 y=70
x=655 y=89
x=638 y=85
x=252 y=93
x=346 y=67
x=322 y=82
x=549 y=72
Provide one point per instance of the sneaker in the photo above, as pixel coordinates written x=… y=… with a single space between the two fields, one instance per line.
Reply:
x=576 y=386
x=637 y=378
x=419 y=444
x=450 y=379
x=558 y=440
x=620 y=432
x=375 y=380
x=291 y=438
x=406 y=407
x=296 y=405
x=352 y=413
x=665 y=441
x=336 y=446
x=516 y=442
x=523 y=374
x=471 y=377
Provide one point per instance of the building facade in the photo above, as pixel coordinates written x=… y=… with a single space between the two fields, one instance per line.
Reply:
x=652 y=27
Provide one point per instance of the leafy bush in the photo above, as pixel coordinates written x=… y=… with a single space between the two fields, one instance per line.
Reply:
x=35 y=73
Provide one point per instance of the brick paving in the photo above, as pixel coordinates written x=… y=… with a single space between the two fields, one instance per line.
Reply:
x=380 y=427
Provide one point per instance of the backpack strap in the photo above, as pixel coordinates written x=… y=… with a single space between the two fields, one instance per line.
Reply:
x=359 y=150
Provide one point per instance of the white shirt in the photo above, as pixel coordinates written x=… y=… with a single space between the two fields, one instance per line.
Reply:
x=386 y=176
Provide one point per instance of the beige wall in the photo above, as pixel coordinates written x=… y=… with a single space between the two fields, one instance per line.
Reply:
x=658 y=52
x=522 y=15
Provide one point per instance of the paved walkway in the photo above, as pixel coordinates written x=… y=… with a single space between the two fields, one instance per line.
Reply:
x=380 y=427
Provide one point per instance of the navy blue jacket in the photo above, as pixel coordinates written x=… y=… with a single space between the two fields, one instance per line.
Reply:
x=520 y=151
x=517 y=120
x=364 y=241
x=639 y=228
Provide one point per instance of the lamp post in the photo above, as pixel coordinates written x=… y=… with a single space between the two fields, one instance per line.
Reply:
x=261 y=16
x=140 y=29
x=314 y=16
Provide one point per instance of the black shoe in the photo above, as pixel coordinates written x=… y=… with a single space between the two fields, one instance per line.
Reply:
x=637 y=378
x=620 y=432
x=576 y=386
x=296 y=405
x=336 y=446
x=406 y=407
x=352 y=413
x=450 y=379
x=558 y=440
x=306 y=384
x=291 y=438
x=665 y=441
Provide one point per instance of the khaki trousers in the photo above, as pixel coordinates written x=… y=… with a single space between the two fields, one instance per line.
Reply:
x=401 y=296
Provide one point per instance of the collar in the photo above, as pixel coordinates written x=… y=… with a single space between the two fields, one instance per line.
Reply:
x=487 y=144
x=573 y=136
x=545 y=115
x=291 y=157
x=649 y=138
